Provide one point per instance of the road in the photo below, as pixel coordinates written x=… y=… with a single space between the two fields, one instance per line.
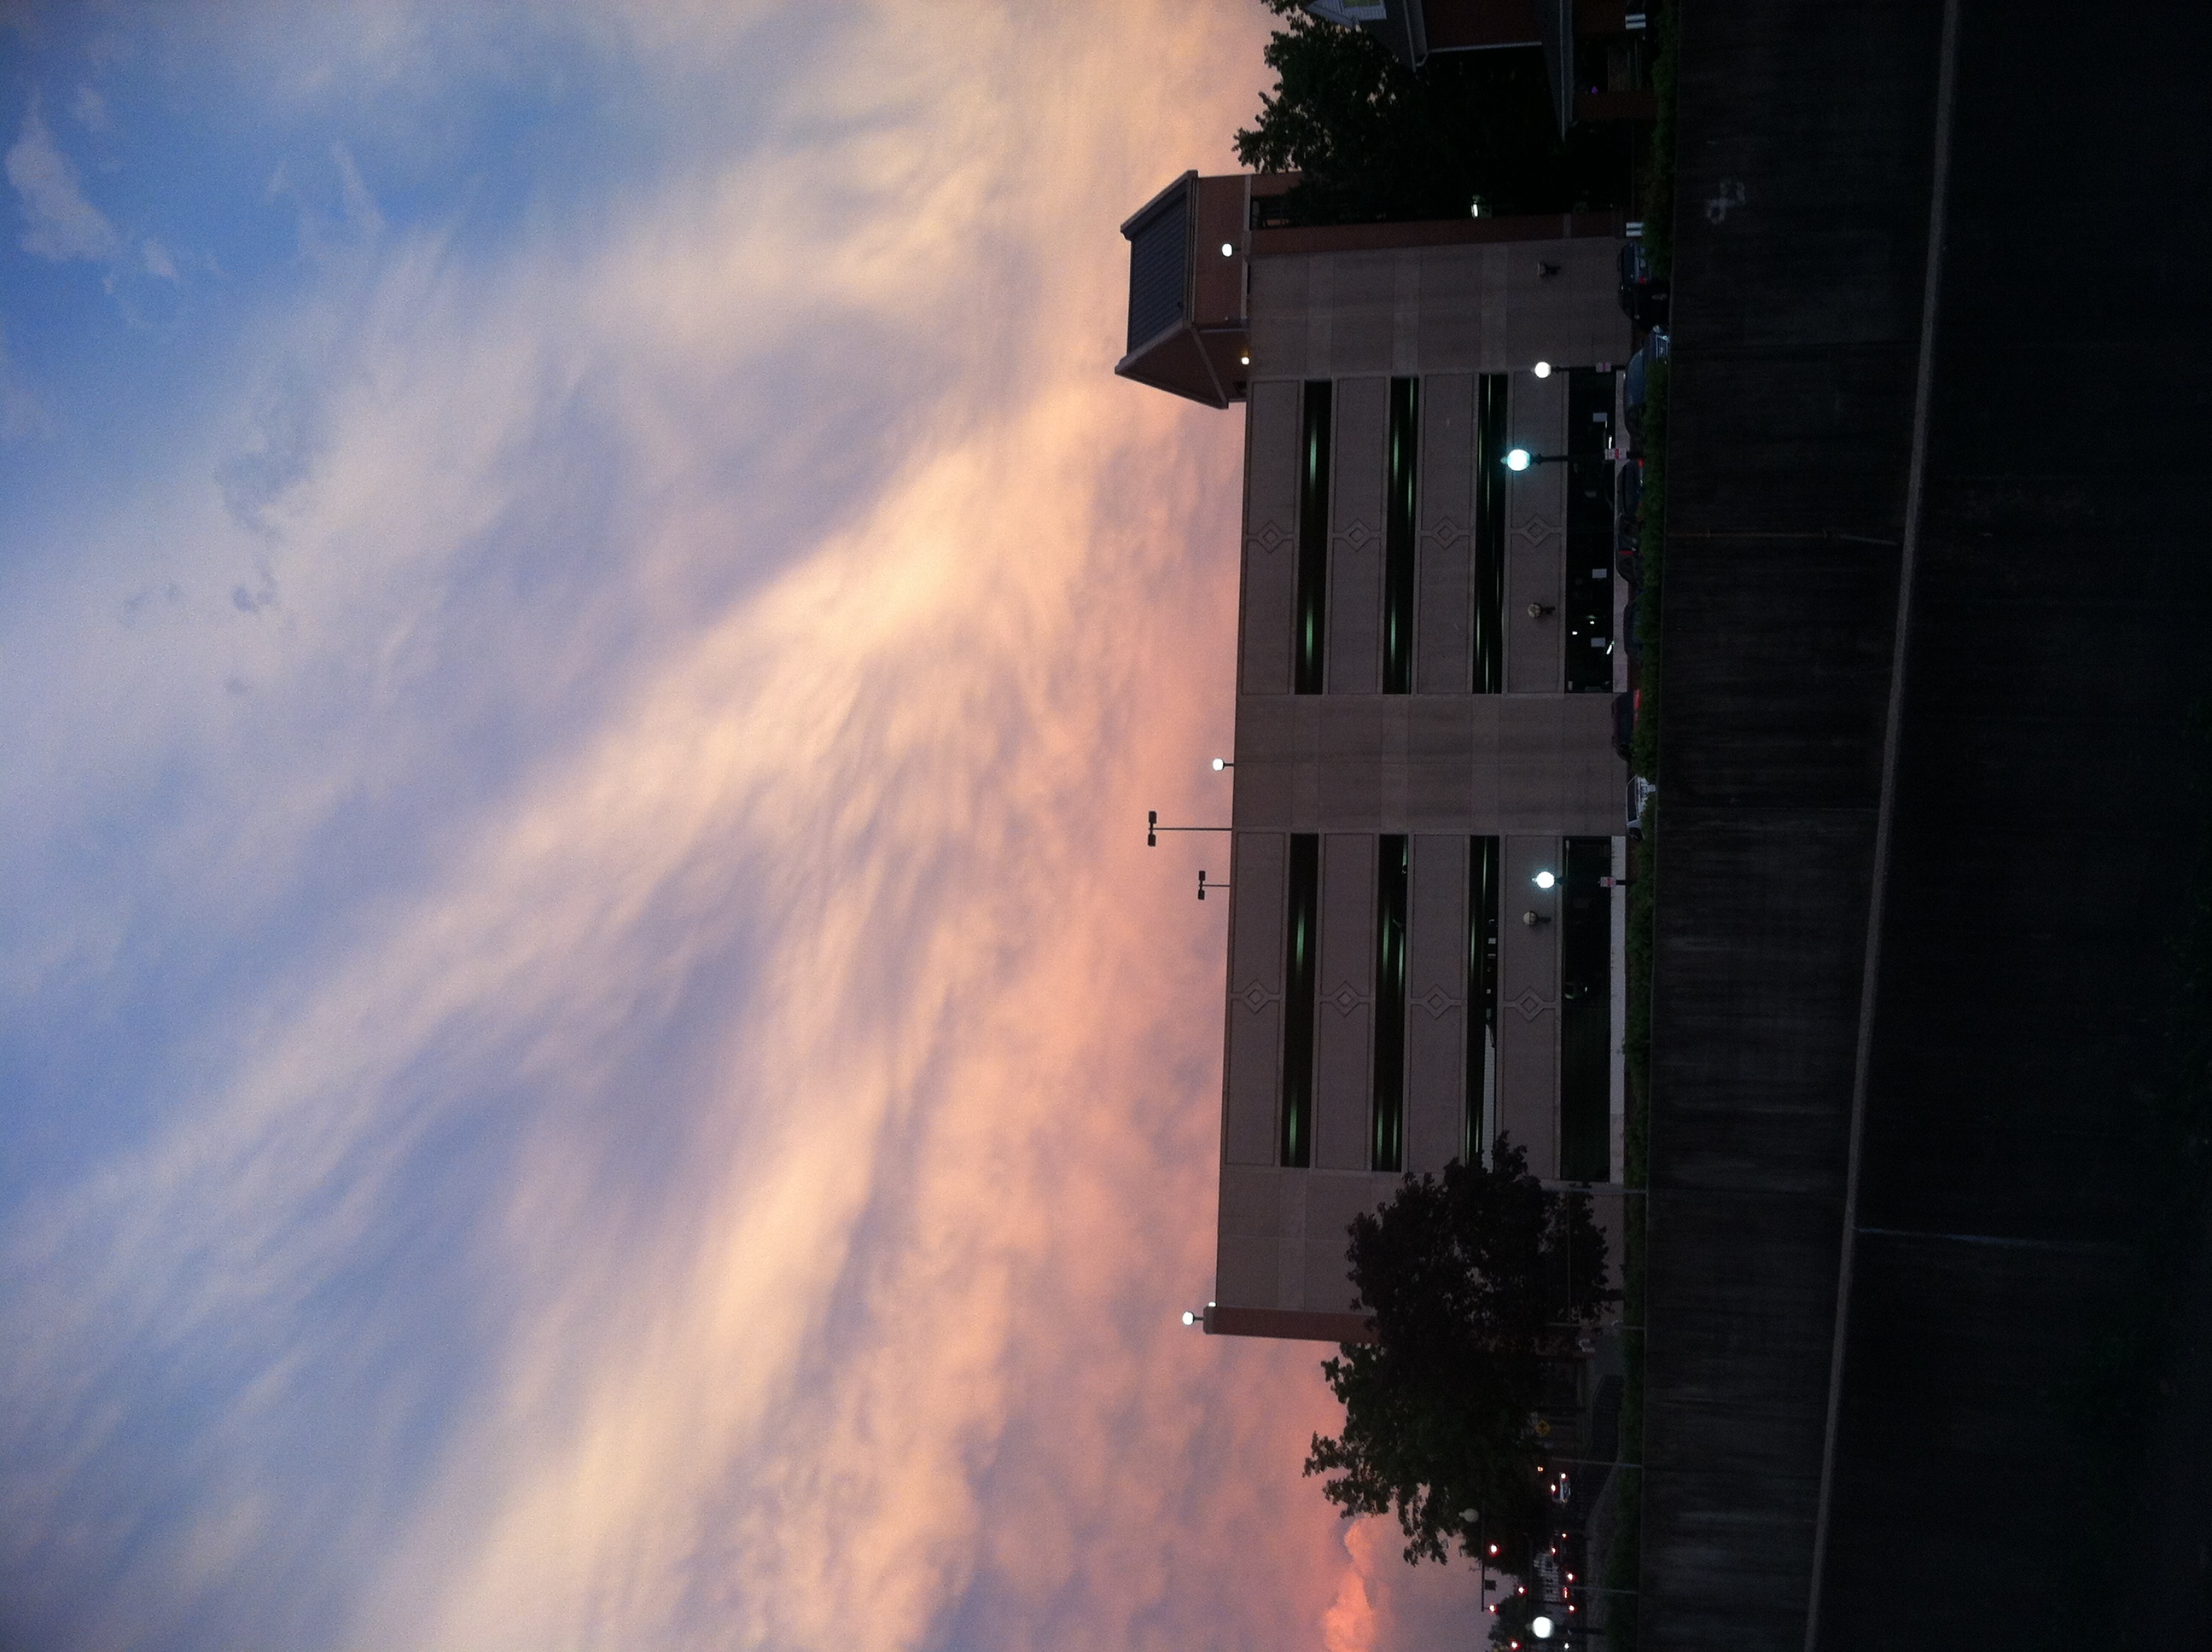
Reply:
x=1914 y=959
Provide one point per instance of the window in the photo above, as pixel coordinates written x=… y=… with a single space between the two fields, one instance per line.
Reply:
x=1401 y=489
x=1309 y=664
x=1386 y=1149
x=1586 y=1012
x=1588 y=611
x=1489 y=629
x=1480 y=1131
x=1301 y=980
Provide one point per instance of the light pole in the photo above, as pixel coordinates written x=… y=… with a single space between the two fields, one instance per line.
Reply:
x=1152 y=828
x=1518 y=460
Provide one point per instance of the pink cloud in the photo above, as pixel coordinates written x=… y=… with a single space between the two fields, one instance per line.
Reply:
x=1348 y=1625
x=840 y=1071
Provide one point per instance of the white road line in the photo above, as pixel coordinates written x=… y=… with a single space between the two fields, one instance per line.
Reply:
x=1932 y=295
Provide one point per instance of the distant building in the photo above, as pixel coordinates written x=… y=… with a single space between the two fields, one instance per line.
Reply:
x=1595 y=60
x=1420 y=951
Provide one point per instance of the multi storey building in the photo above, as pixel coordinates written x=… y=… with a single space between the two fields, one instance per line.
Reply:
x=1423 y=948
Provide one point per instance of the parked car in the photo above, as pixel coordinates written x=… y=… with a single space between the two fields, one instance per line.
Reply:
x=1628 y=516
x=1642 y=293
x=1640 y=791
x=1657 y=348
x=1624 y=725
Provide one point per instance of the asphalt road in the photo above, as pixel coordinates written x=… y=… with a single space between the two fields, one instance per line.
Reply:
x=1916 y=912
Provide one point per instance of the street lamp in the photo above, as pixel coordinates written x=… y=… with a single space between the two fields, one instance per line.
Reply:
x=1518 y=460
x=1543 y=880
x=1153 y=828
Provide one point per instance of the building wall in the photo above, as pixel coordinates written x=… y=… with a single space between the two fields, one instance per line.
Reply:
x=1443 y=659
x=1435 y=309
x=1436 y=1000
x=1465 y=762
x=1441 y=765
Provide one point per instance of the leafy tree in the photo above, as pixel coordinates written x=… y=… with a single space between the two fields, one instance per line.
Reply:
x=1373 y=139
x=1472 y=1282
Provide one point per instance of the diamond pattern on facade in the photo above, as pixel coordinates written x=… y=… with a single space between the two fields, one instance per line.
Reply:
x=1536 y=527
x=1270 y=538
x=1357 y=534
x=1447 y=533
x=1436 y=1002
x=1530 y=1005
x=1256 y=997
x=1345 y=998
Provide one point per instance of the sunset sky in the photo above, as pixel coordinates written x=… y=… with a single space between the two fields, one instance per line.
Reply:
x=592 y=1054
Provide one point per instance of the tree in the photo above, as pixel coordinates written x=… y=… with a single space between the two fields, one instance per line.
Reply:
x=1473 y=1284
x=1373 y=139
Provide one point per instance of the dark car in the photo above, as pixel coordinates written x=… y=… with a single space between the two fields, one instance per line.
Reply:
x=1657 y=348
x=1643 y=293
x=1628 y=524
x=1624 y=727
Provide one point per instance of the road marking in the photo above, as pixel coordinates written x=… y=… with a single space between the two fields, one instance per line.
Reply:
x=2082 y=1246
x=1916 y=477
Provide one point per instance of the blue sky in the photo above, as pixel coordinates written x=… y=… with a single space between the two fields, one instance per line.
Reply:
x=592 y=1057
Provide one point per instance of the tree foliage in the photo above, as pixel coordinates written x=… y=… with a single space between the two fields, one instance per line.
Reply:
x=1474 y=1284
x=1373 y=139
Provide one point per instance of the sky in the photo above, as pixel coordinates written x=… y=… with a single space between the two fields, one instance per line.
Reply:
x=591 y=1054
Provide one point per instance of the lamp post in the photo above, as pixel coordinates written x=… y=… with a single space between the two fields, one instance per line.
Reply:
x=1203 y=886
x=1518 y=460
x=1153 y=828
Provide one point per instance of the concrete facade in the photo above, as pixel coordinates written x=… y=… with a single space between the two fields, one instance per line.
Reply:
x=1437 y=763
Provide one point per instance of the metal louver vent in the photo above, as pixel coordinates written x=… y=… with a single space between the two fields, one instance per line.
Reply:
x=1156 y=252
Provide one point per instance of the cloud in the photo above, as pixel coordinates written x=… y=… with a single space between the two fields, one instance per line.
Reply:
x=357 y=223
x=21 y=413
x=1381 y=1602
x=639 y=1090
x=59 y=222
x=359 y=207
x=1348 y=1625
x=156 y=259
x=287 y=436
x=91 y=110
